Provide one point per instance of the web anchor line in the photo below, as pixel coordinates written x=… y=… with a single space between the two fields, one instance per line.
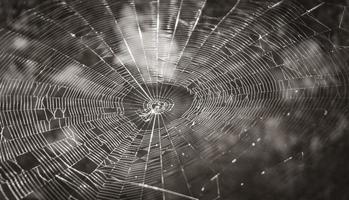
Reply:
x=156 y=189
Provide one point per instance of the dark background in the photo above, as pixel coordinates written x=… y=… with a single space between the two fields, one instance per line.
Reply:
x=326 y=175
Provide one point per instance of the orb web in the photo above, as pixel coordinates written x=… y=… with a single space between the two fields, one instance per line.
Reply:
x=176 y=99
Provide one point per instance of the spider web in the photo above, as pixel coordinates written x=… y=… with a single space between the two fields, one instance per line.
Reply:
x=155 y=99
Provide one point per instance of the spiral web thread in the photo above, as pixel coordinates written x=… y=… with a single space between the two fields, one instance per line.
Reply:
x=66 y=67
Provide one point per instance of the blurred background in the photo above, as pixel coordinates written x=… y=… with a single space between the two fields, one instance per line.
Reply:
x=322 y=174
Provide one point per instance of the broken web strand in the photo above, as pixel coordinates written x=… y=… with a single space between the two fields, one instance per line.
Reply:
x=158 y=189
x=215 y=179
